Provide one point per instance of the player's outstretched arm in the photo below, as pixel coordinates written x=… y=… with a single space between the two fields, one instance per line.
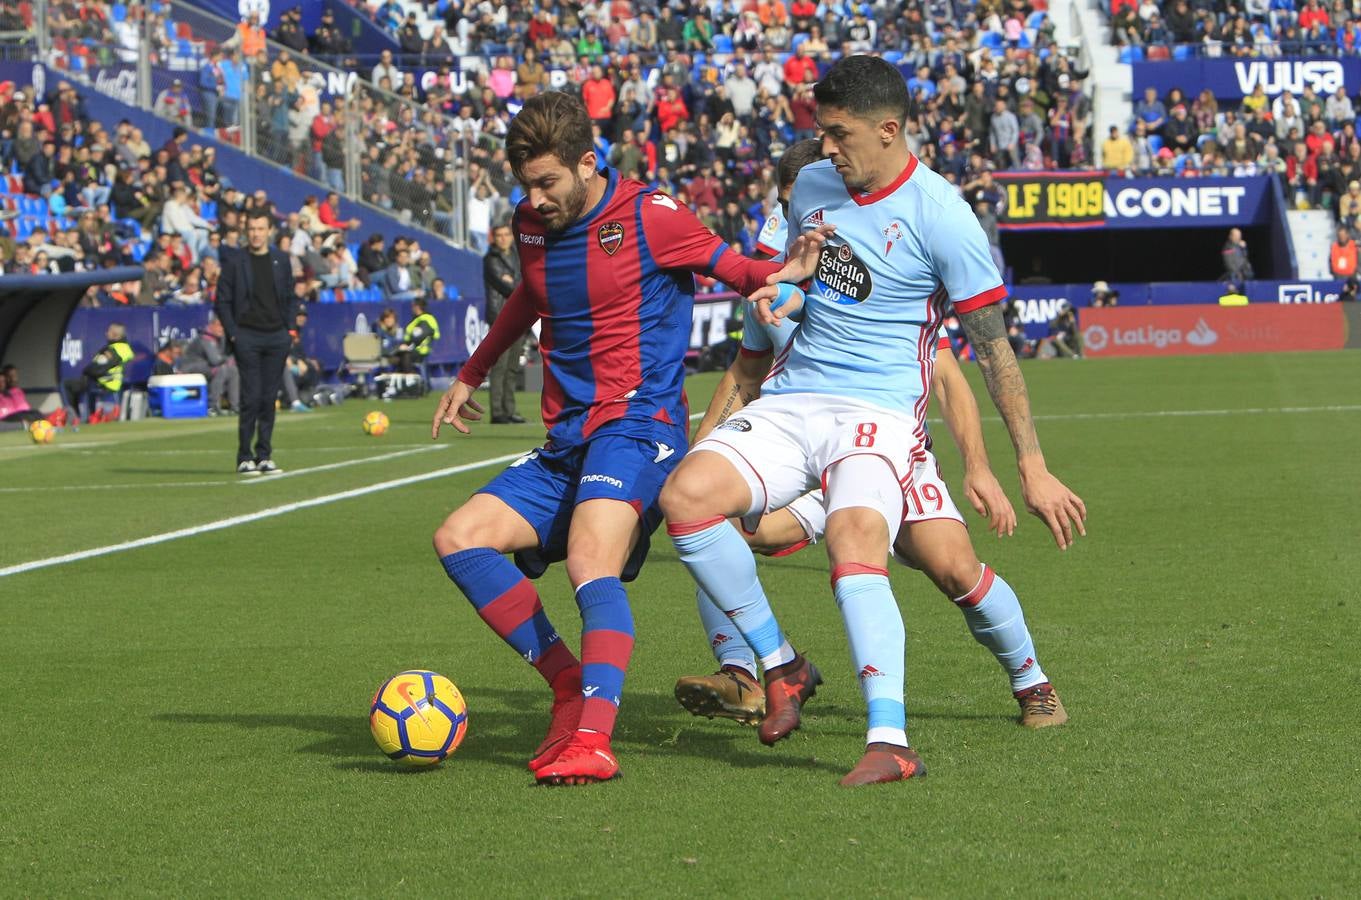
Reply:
x=1045 y=496
x=960 y=410
x=740 y=385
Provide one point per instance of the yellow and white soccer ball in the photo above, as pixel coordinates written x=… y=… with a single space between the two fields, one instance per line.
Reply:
x=42 y=431
x=418 y=717
x=376 y=423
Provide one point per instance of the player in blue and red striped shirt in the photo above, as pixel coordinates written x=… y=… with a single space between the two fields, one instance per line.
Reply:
x=608 y=272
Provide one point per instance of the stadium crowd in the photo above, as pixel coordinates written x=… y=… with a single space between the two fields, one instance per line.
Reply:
x=700 y=98
x=82 y=197
x=1168 y=29
x=676 y=92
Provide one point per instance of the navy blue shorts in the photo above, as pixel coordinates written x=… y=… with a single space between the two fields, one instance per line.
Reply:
x=627 y=460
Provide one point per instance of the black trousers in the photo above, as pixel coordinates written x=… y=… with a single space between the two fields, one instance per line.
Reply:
x=260 y=356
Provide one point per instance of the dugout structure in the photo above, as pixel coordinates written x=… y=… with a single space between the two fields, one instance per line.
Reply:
x=34 y=310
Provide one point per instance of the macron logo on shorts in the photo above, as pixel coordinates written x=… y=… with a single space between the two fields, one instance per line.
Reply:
x=663 y=452
x=612 y=482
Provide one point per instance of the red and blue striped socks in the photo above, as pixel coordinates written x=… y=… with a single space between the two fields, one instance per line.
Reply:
x=507 y=602
x=606 y=645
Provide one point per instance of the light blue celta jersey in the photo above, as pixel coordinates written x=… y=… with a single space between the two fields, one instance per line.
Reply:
x=871 y=317
x=761 y=339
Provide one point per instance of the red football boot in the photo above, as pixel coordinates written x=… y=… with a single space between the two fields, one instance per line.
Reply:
x=586 y=759
x=788 y=688
x=566 y=714
x=883 y=763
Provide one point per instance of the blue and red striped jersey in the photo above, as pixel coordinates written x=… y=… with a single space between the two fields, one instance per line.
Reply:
x=614 y=293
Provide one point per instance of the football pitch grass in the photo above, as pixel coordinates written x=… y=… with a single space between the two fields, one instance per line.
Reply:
x=188 y=717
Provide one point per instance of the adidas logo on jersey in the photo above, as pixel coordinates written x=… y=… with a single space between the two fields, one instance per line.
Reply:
x=813 y=219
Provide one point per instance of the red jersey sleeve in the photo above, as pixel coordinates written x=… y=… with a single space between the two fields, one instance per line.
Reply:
x=513 y=320
x=679 y=240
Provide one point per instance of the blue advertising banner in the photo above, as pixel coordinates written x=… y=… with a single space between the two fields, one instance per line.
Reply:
x=461 y=328
x=1234 y=79
x=1039 y=303
x=1188 y=202
x=1044 y=201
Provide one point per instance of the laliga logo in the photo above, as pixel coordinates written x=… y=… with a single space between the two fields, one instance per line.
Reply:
x=474 y=330
x=1096 y=338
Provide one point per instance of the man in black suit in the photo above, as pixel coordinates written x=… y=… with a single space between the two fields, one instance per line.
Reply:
x=254 y=303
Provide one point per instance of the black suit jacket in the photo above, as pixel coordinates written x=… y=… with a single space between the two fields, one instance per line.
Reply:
x=235 y=283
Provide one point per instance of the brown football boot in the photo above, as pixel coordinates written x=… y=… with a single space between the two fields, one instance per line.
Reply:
x=729 y=693
x=1041 y=707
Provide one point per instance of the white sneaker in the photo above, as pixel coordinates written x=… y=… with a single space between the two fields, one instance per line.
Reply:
x=247 y=467
x=267 y=467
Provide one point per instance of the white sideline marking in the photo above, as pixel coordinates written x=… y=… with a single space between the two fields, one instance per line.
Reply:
x=343 y=464
x=264 y=479
x=127 y=486
x=270 y=513
x=217 y=451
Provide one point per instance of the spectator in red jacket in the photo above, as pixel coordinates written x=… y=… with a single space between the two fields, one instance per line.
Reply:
x=671 y=109
x=804 y=109
x=1313 y=14
x=542 y=28
x=800 y=68
x=705 y=190
x=1301 y=174
x=597 y=93
x=329 y=214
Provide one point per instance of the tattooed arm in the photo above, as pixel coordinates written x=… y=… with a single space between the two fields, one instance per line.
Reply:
x=740 y=385
x=1045 y=496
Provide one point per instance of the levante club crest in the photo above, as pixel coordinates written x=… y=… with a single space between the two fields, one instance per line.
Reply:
x=611 y=237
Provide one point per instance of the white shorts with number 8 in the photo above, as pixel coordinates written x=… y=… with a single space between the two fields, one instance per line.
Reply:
x=784 y=445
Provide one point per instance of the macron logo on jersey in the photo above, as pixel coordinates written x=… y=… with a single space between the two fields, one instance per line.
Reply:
x=533 y=240
x=663 y=452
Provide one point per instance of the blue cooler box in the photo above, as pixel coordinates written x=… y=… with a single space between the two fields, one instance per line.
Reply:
x=178 y=396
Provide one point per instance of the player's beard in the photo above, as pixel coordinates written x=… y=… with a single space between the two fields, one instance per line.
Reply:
x=571 y=208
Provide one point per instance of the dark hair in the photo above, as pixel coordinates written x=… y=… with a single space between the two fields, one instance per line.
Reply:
x=798 y=155
x=554 y=123
x=863 y=86
x=259 y=212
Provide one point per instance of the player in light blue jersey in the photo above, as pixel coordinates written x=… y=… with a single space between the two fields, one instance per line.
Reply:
x=932 y=538
x=845 y=406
